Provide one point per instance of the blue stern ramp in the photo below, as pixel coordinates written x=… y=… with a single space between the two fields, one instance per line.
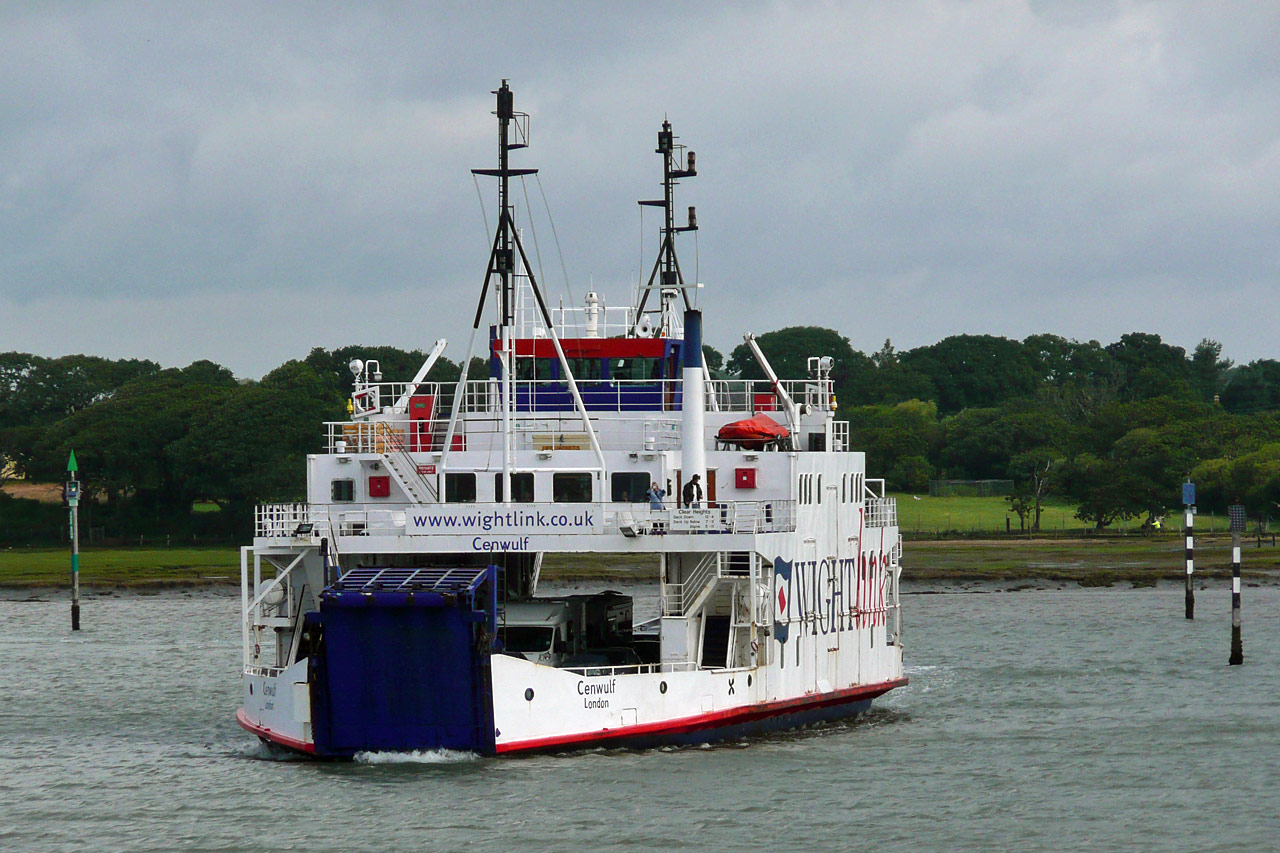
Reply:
x=403 y=661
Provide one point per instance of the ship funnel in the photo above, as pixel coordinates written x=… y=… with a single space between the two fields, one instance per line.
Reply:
x=693 y=439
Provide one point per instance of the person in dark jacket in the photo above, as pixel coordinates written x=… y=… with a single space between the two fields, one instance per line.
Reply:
x=692 y=492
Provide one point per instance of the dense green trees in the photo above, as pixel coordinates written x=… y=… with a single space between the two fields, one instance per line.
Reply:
x=1115 y=428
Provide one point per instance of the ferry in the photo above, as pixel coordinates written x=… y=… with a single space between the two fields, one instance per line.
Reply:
x=399 y=608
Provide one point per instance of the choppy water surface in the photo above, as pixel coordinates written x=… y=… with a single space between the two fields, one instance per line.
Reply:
x=1069 y=719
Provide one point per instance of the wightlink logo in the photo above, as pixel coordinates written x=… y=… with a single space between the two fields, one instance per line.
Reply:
x=504 y=522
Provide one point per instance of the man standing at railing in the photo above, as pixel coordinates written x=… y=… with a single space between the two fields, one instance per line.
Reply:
x=655 y=496
x=692 y=493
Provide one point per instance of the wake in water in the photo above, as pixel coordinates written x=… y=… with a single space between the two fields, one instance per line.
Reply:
x=266 y=752
x=418 y=756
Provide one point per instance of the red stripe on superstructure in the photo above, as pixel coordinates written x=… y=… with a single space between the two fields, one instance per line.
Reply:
x=714 y=720
x=274 y=737
x=589 y=347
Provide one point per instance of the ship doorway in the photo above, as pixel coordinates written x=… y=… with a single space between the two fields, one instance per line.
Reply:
x=708 y=488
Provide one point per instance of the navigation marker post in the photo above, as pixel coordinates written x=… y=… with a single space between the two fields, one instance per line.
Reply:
x=1189 y=501
x=73 y=503
x=1235 y=513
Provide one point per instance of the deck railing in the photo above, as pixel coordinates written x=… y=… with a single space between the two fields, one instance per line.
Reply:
x=599 y=395
x=882 y=512
x=295 y=521
x=544 y=432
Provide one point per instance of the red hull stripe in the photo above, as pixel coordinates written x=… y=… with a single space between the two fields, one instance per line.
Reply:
x=714 y=720
x=274 y=737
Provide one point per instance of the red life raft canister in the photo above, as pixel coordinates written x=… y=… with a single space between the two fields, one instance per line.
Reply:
x=753 y=433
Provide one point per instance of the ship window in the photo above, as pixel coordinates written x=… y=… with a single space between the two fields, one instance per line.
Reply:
x=629 y=486
x=585 y=368
x=642 y=369
x=528 y=369
x=521 y=487
x=527 y=638
x=460 y=487
x=819 y=498
x=571 y=488
x=342 y=491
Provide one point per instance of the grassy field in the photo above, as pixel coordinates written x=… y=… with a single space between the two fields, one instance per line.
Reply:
x=127 y=567
x=924 y=517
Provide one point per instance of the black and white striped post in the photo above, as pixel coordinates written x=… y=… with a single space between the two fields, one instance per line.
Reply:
x=1235 y=513
x=1189 y=501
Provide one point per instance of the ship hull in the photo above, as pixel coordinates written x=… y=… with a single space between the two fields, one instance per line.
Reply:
x=730 y=724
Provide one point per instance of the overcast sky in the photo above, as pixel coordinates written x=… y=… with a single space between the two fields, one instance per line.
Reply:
x=243 y=182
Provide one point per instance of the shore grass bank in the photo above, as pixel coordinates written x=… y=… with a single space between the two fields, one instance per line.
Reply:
x=1087 y=561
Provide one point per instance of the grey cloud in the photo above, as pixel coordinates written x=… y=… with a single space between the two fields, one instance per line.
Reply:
x=891 y=170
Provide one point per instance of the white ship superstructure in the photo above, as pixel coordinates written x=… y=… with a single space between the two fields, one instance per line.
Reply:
x=399 y=607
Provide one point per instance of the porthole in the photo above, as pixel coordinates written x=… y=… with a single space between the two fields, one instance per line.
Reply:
x=662 y=688
x=748 y=680
x=528 y=694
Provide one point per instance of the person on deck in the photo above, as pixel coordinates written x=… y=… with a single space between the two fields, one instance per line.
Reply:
x=655 y=496
x=692 y=493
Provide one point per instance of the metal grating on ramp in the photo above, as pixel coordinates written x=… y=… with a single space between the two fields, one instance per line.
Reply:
x=373 y=579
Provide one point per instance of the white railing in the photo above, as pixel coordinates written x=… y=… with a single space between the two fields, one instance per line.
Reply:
x=610 y=321
x=634 y=668
x=403 y=437
x=725 y=517
x=283 y=521
x=882 y=512
x=261 y=624
x=839 y=435
x=893 y=606
x=675 y=596
x=484 y=395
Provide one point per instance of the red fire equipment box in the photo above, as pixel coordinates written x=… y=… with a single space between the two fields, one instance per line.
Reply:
x=380 y=487
x=744 y=478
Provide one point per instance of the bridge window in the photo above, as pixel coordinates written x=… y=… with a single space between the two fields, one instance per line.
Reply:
x=460 y=487
x=528 y=369
x=572 y=488
x=629 y=486
x=647 y=369
x=521 y=487
x=342 y=491
x=585 y=368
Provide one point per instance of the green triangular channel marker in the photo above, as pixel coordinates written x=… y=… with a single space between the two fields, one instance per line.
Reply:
x=72 y=467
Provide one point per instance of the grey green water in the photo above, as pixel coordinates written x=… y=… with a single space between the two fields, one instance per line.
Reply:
x=1035 y=720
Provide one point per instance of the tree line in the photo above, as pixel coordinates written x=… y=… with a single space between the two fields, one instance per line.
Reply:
x=1115 y=428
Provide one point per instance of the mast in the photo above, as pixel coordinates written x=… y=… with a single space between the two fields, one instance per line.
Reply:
x=513 y=133
x=502 y=261
x=671 y=281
